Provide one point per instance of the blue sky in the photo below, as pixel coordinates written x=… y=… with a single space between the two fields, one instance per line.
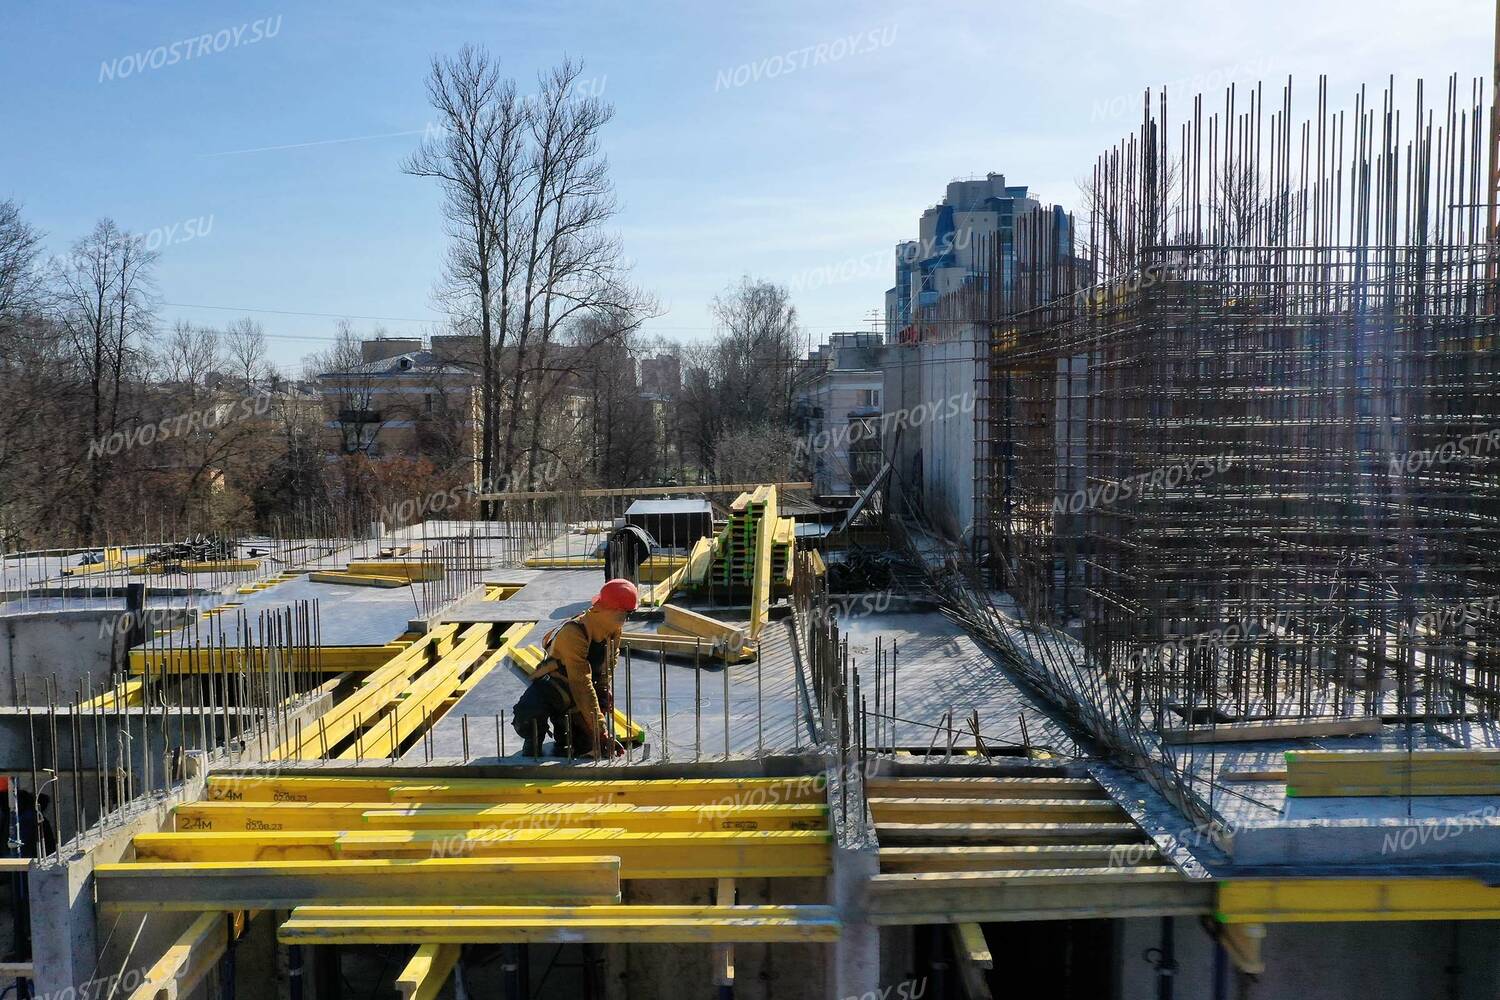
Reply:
x=739 y=145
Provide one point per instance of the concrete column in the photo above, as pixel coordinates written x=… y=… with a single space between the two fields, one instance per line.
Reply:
x=63 y=947
x=854 y=960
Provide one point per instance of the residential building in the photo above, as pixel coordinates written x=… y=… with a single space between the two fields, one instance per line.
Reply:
x=661 y=375
x=949 y=283
x=840 y=413
x=402 y=400
x=956 y=239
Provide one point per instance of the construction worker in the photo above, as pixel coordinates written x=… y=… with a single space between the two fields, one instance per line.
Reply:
x=572 y=691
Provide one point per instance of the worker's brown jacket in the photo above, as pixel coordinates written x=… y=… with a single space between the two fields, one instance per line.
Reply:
x=583 y=650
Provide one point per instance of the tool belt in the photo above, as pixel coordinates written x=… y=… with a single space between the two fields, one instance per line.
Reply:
x=554 y=687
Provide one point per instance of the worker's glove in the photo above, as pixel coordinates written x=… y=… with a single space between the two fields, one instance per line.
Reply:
x=610 y=747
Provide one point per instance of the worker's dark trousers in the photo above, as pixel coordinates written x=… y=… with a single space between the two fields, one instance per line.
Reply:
x=546 y=706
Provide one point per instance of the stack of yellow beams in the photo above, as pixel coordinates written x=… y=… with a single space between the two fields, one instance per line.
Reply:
x=410 y=570
x=483 y=859
x=407 y=694
x=114 y=558
x=667 y=828
x=259 y=585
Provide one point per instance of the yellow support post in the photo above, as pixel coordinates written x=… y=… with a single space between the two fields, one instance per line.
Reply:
x=427 y=971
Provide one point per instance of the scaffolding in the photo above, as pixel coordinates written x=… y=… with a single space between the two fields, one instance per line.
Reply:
x=1239 y=450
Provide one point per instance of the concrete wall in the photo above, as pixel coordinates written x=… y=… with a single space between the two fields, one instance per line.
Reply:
x=932 y=385
x=71 y=644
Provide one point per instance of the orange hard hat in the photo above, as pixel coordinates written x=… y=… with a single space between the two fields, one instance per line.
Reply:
x=618 y=594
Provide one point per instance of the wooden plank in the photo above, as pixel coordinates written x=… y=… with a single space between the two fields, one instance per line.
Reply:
x=1008 y=833
x=281 y=885
x=359 y=580
x=1280 y=729
x=1061 y=894
x=793 y=816
x=985 y=788
x=424 y=976
x=553 y=924
x=686 y=854
x=225 y=816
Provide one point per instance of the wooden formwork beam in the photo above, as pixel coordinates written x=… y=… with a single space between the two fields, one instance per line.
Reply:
x=559 y=924
x=280 y=885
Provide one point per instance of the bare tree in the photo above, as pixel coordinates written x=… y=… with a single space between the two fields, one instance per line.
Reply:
x=245 y=352
x=478 y=158
x=103 y=289
x=352 y=404
x=20 y=251
x=190 y=354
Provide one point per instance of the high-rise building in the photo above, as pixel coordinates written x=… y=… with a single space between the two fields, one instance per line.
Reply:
x=952 y=251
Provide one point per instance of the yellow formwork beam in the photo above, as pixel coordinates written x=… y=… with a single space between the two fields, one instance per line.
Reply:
x=563 y=562
x=1318 y=773
x=724 y=792
x=127 y=693
x=679 y=645
x=187 y=960
x=672 y=855
x=225 y=816
x=700 y=561
x=423 y=699
x=760 y=583
x=371 y=697
x=411 y=571
x=541 y=924
x=359 y=580
x=972 y=945
x=276 y=845
x=658 y=855
x=632 y=817
x=428 y=970
x=196 y=660
x=730 y=637
x=659 y=567
x=1321 y=900
x=279 y=885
